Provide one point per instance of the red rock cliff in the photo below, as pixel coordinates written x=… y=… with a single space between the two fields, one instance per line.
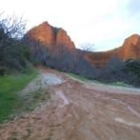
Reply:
x=131 y=48
x=62 y=39
x=50 y=36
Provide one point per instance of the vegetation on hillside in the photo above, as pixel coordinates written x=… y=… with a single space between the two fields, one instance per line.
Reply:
x=15 y=70
x=119 y=71
x=73 y=62
x=12 y=51
x=59 y=58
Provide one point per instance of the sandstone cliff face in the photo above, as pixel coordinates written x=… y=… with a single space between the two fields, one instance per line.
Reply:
x=49 y=36
x=42 y=33
x=129 y=50
x=62 y=39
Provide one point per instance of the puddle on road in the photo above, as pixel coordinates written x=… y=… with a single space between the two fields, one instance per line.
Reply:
x=50 y=79
x=41 y=82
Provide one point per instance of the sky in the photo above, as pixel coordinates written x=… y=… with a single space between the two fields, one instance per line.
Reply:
x=100 y=24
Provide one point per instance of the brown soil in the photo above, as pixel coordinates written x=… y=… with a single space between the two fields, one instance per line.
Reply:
x=78 y=111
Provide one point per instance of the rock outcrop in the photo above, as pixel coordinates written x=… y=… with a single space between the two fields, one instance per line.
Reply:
x=49 y=36
x=129 y=50
x=62 y=39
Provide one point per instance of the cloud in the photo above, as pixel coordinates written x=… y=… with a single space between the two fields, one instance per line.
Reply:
x=105 y=23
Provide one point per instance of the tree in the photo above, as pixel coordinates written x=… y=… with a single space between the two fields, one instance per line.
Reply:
x=11 y=31
x=87 y=47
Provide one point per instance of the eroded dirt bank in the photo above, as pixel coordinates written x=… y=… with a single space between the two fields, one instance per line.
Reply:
x=77 y=111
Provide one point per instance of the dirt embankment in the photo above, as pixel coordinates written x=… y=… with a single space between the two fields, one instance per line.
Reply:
x=77 y=111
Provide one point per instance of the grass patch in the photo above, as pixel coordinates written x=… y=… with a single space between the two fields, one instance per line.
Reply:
x=120 y=84
x=9 y=86
x=81 y=78
x=84 y=79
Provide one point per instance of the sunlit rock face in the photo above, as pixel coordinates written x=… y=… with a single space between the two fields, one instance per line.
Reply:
x=49 y=36
x=62 y=39
x=129 y=50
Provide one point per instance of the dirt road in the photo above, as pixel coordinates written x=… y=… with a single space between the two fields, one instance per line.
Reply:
x=78 y=111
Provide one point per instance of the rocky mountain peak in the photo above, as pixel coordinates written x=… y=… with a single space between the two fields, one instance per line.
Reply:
x=132 y=40
x=131 y=47
x=50 y=36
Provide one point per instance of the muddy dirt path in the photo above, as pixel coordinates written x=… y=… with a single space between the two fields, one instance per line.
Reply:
x=77 y=111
